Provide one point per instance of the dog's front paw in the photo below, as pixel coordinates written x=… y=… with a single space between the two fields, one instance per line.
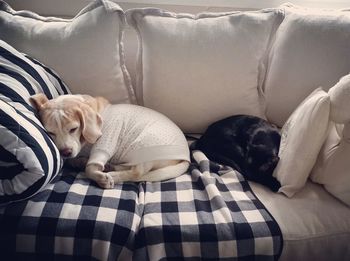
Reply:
x=105 y=181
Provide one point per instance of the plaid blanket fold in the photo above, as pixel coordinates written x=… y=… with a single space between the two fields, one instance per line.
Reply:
x=206 y=215
x=209 y=213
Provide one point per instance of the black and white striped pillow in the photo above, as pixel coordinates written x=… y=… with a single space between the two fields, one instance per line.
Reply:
x=28 y=157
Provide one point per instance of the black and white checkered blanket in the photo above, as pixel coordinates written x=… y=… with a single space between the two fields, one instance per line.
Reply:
x=209 y=213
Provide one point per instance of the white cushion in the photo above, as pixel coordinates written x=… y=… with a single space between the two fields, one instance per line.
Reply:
x=314 y=225
x=301 y=140
x=311 y=49
x=197 y=69
x=85 y=51
x=333 y=164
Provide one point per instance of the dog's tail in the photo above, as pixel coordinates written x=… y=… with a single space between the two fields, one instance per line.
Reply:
x=167 y=172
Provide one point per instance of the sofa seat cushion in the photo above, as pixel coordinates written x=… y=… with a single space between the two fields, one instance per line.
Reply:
x=197 y=69
x=315 y=225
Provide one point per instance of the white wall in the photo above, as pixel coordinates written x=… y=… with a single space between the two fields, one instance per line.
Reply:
x=69 y=8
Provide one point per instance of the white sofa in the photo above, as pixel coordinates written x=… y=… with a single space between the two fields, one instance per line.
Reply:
x=195 y=69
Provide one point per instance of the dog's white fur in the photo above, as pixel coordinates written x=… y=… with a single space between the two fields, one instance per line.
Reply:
x=74 y=120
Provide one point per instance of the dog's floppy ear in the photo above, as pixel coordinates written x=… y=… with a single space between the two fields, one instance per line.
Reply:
x=91 y=123
x=96 y=103
x=38 y=100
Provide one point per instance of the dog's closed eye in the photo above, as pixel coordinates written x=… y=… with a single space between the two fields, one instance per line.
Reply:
x=73 y=130
x=51 y=133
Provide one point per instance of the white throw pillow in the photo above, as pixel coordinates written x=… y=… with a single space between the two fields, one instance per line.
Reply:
x=332 y=168
x=301 y=140
x=197 y=69
x=85 y=51
x=311 y=49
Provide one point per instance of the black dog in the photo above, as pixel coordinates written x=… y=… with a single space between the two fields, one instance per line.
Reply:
x=246 y=143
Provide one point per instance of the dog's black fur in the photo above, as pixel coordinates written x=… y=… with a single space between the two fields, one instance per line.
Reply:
x=246 y=143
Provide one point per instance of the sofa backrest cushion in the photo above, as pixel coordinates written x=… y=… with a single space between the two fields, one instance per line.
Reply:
x=332 y=166
x=86 y=51
x=197 y=69
x=28 y=157
x=311 y=49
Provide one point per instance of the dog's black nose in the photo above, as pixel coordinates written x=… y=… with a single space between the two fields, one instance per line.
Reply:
x=66 y=152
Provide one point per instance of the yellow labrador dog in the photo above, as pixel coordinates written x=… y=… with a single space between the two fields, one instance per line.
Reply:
x=136 y=143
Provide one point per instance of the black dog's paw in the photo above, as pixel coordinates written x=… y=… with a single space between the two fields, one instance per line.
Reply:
x=76 y=164
x=274 y=185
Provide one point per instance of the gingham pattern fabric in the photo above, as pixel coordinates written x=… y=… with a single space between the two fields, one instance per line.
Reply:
x=209 y=213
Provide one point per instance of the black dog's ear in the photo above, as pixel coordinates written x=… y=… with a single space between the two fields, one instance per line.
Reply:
x=275 y=160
